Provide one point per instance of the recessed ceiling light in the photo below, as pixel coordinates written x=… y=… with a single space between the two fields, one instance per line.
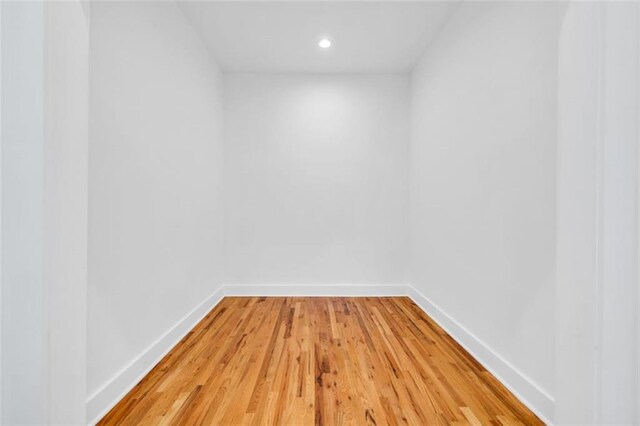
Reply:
x=324 y=43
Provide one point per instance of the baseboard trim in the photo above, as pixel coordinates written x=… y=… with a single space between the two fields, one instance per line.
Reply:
x=317 y=290
x=103 y=400
x=536 y=399
x=541 y=403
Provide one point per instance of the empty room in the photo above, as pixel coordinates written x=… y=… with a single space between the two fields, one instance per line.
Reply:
x=319 y=213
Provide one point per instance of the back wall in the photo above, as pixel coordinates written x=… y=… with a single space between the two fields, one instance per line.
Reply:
x=316 y=179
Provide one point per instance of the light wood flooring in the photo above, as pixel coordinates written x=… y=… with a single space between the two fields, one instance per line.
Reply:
x=324 y=361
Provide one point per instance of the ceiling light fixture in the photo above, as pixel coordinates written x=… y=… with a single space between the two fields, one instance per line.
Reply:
x=324 y=43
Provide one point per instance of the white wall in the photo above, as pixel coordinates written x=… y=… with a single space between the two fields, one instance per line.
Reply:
x=577 y=271
x=23 y=287
x=65 y=206
x=618 y=376
x=316 y=179
x=483 y=168
x=44 y=197
x=597 y=290
x=155 y=242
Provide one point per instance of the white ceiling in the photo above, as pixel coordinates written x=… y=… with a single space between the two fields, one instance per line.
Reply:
x=282 y=36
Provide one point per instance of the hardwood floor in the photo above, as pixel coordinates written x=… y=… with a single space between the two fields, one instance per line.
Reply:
x=304 y=361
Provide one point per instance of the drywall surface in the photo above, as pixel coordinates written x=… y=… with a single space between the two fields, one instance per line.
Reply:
x=23 y=285
x=483 y=167
x=597 y=292
x=154 y=180
x=44 y=197
x=578 y=212
x=65 y=207
x=316 y=179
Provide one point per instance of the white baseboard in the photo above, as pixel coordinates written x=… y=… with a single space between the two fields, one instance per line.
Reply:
x=538 y=401
x=524 y=388
x=318 y=290
x=103 y=400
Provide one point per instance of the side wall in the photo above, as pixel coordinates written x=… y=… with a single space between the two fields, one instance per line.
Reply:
x=45 y=81
x=597 y=293
x=155 y=210
x=483 y=167
x=65 y=206
x=316 y=179
x=23 y=308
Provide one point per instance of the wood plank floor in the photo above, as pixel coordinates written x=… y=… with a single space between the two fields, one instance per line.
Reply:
x=323 y=361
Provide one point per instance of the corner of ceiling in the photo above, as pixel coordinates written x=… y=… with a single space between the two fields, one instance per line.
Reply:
x=182 y=6
x=454 y=9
